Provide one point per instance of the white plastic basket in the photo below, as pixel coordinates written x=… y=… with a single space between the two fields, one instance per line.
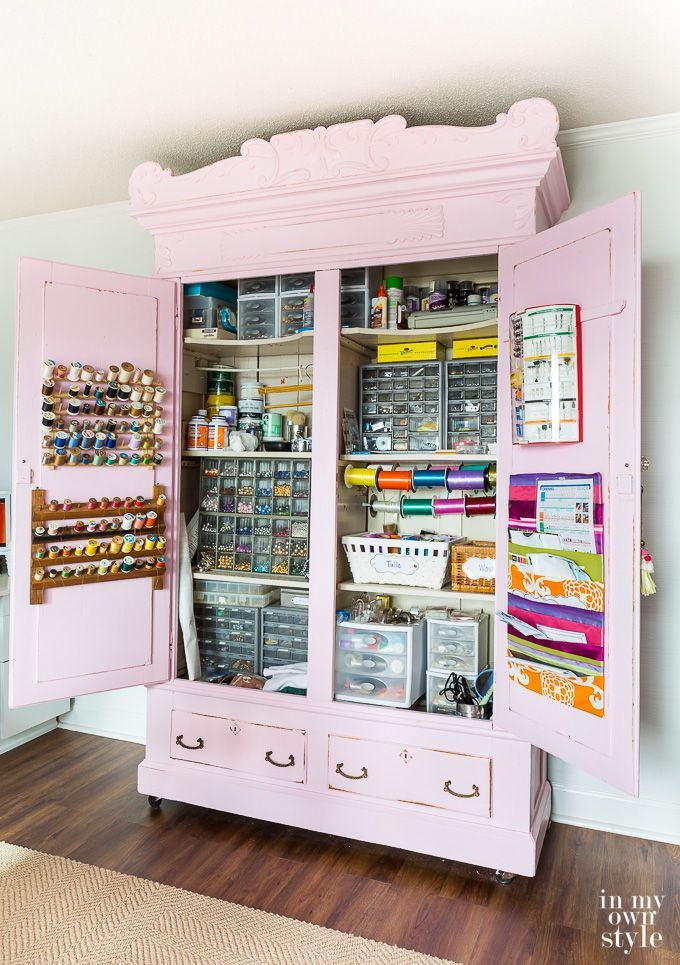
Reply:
x=398 y=562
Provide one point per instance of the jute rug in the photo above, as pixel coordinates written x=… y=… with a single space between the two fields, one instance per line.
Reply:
x=54 y=911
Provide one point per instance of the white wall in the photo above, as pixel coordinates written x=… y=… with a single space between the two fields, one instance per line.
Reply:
x=602 y=164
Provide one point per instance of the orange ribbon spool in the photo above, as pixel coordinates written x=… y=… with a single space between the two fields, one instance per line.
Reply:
x=395 y=479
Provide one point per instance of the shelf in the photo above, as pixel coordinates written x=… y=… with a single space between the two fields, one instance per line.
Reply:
x=446 y=333
x=391 y=458
x=262 y=579
x=58 y=562
x=226 y=454
x=441 y=596
x=98 y=534
x=301 y=344
x=38 y=587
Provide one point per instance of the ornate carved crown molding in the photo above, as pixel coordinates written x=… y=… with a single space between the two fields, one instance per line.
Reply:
x=355 y=152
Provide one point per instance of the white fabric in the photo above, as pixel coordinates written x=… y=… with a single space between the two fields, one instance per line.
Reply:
x=187 y=619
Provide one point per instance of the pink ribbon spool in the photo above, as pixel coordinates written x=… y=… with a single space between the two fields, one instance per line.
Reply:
x=448 y=507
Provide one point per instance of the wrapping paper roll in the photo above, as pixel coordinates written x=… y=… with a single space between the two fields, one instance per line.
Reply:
x=448 y=507
x=395 y=479
x=480 y=505
x=429 y=478
x=356 y=476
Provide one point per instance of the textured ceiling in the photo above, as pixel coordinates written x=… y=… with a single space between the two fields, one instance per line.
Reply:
x=92 y=88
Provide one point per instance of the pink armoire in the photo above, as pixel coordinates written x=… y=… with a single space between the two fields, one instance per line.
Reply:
x=351 y=195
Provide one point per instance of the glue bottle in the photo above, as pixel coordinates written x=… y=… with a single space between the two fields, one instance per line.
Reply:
x=379 y=308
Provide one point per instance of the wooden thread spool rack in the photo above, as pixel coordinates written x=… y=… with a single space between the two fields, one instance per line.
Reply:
x=41 y=514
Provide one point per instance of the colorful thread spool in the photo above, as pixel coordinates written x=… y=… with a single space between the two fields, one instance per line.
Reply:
x=429 y=478
x=356 y=476
x=395 y=479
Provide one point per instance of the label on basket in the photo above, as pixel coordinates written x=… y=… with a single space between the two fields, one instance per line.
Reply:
x=394 y=564
x=479 y=568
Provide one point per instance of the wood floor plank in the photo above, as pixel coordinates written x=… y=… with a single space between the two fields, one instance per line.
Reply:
x=75 y=795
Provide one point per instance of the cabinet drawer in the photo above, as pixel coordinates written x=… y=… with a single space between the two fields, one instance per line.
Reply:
x=414 y=775
x=259 y=750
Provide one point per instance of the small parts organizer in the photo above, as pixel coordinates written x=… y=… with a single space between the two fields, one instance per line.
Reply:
x=254 y=515
x=101 y=417
x=121 y=540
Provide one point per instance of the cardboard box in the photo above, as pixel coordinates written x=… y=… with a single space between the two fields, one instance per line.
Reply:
x=473 y=348
x=411 y=352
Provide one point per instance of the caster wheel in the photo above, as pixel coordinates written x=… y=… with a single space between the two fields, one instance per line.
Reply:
x=504 y=877
x=155 y=802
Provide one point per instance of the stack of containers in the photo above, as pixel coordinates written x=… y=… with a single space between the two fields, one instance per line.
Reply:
x=284 y=635
x=250 y=408
x=294 y=292
x=258 y=315
x=455 y=644
x=380 y=664
x=356 y=286
x=472 y=399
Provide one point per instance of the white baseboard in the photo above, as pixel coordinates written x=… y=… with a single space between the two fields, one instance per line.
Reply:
x=133 y=737
x=119 y=714
x=635 y=817
x=27 y=735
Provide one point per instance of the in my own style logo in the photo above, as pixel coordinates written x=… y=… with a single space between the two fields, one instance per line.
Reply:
x=633 y=924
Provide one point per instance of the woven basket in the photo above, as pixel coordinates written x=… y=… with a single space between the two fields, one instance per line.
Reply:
x=460 y=554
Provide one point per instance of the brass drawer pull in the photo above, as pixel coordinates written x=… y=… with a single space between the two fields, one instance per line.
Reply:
x=447 y=788
x=351 y=777
x=270 y=760
x=198 y=746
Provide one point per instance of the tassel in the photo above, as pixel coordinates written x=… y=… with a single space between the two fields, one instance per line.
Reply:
x=647 y=585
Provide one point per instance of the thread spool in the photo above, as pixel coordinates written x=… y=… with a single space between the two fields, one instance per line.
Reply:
x=429 y=478
x=465 y=479
x=480 y=505
x=448 y=507
x=415 y=507
x=74 y=371
x=395 y=479
x=356 y=476
x=125 y=374
x=48 y=386
x=147 y=377
x=127 y=564
x=113 y=373
x=48 y=368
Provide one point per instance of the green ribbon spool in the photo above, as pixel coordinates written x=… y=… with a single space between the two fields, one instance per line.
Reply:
x=415 y=507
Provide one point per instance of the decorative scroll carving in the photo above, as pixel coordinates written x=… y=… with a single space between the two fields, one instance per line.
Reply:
x=356 y=150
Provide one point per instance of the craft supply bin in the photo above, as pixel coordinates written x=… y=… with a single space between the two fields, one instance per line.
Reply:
x=458 y=645
x=401 y=406
x=254 y=515
x=284 y=635
x=380 y=664
x=471 y=402
x=402 y=562
x=462 y=553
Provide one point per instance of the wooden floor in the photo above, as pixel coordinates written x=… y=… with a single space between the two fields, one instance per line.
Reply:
x=75 y=795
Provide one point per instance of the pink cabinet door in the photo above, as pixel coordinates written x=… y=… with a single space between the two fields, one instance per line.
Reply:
x=592 y=261
x=94 y=637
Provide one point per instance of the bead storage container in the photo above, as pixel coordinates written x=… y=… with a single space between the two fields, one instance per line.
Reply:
x=284 y=635
x=356 y=287
x=258 y=308
x=380 y=664
x=471 y=386
x=457 y=643
x=401 y=406
x=293 y=292
x=254 y=515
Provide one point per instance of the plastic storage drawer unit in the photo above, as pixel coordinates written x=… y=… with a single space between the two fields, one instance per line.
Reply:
x=284 y=635
x=401 y=407
x=378 y=664
x=437 y=701
x=459 y=643
x=228 y=638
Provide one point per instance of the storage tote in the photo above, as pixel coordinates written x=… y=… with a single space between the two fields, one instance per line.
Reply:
x=399 y=562
x=473 y=566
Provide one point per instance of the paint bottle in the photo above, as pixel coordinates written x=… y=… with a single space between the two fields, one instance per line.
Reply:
x=218 y=433
x=379 y=308
x=197 y=431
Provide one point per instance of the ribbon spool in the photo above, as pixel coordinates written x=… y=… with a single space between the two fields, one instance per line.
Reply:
x=480 y=505
x=448 y=507
x=415 y=507
x=466 y=479
x=395 y=479
x=429 y=478
x=356 y=476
